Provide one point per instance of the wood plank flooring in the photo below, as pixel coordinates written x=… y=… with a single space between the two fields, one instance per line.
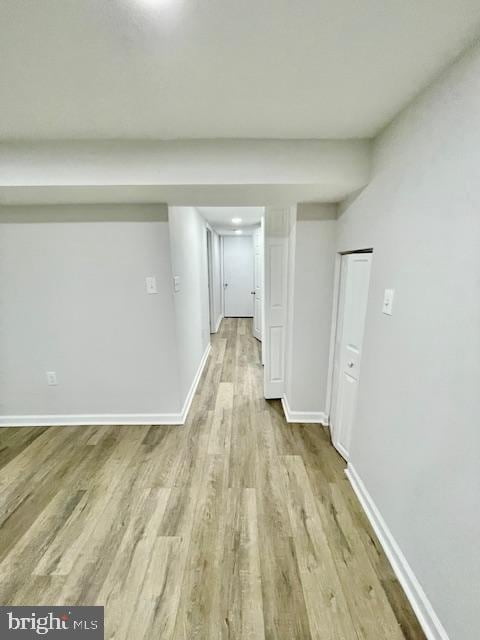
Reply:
x=236 y=526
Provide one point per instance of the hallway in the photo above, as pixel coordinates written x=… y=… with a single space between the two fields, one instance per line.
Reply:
x=237 y=525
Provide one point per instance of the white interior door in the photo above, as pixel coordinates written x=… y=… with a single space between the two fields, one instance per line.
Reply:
x=279 y=222
x=354 y=283
x=258 y=269
x=238 y=276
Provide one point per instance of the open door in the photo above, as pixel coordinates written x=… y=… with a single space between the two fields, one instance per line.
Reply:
x=278 y=228
x=352 y=310
x=258 y=282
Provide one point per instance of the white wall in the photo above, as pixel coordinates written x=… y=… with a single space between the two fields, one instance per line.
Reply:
x=416 y=439
x=188 y=242
x=312 y=263
x=73 y=300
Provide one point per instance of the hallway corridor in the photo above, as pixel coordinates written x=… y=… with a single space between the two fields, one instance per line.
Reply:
x=237 y=525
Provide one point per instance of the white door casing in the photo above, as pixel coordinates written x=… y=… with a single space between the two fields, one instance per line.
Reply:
x=258 y=277
x=278 y=225
x=238 y=276
x=352 y=309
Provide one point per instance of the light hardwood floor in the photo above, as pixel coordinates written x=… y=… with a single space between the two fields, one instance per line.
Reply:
x=236 y=526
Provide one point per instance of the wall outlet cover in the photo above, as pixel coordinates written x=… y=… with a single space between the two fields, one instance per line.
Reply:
x=388 y=301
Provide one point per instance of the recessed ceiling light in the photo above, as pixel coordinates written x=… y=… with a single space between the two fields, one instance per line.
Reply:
x=238 y=232
x=236 y=220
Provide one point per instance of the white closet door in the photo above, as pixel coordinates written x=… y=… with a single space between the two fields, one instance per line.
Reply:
x=354 y=284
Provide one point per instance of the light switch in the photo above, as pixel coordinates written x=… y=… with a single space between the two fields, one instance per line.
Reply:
x=176 y=284
x=151 y=284
x=51 y=378
x=388 y=301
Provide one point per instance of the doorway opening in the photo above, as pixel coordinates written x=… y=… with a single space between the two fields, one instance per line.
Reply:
x=352 y=286
x=234 y=241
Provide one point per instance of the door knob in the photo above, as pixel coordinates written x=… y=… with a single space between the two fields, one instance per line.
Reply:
x=350 y=364
x=225 y=284
x=252 y=292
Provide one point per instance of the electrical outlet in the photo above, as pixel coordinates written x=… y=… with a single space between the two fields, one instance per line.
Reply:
x=51 y=378
x=388 y=302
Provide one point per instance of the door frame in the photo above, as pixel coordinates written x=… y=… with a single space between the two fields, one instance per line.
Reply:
x=334 y=353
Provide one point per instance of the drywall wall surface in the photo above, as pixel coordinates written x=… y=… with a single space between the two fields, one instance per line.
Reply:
x=208 y=172
x=316 y=211
x=73 y=300
x=310 y=321
x=416 y=437
x=188 y=242
x=186 y=162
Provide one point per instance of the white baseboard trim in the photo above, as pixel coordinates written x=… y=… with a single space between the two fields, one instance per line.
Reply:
x=219 y=322
x=90 y=419
x=424 y=611
x=194 y=385
x=341 y=450
x=318 y=417
x=101 y=419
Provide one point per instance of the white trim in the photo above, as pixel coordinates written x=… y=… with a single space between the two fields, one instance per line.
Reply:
x=315 y=417
x=193 y=388
x=219 y=322
x=90 y=419
x=71 y=420
x=341 y=449
x=424 y=611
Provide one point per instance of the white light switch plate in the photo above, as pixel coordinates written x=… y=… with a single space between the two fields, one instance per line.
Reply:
x=388 y=301
x=151 y=284
x=176 y=284
x=51 y=378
